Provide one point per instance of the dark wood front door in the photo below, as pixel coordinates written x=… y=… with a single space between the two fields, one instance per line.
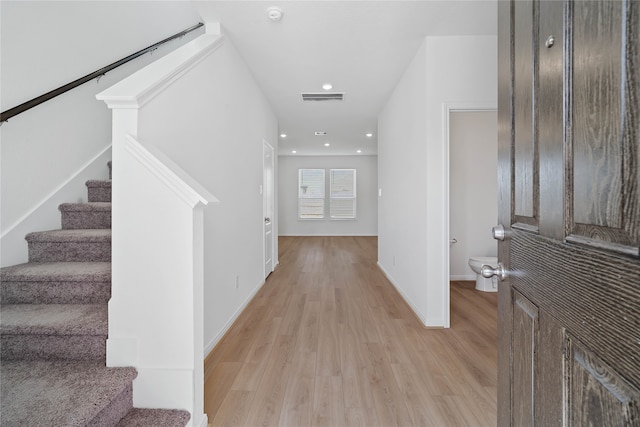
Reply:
x=569 y=132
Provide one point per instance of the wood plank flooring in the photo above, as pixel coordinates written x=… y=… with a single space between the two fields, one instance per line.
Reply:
x=328 y=341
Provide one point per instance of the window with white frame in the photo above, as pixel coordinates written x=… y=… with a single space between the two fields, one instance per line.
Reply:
x=310 y=193
x=343 y=194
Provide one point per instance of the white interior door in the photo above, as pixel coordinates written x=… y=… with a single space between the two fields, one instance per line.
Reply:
x=268 y=202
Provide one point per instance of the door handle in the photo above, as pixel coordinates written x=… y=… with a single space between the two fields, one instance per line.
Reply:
x=267 y=220
x=498 y=232
x=488 y=271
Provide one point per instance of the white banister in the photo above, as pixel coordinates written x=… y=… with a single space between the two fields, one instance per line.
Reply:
x=169 y=173
x=156 y=319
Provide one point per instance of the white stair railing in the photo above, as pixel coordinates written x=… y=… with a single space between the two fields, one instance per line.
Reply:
x=155 y=312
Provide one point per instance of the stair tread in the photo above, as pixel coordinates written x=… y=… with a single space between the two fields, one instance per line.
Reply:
x=71 y=235
x=99 y=190
x=86 y=207
x=98 y=183
x=54 y=319
x=57 y=393
x=138 y=417
x=57 y=272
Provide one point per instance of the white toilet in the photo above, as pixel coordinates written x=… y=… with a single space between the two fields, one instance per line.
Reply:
x=482 y=283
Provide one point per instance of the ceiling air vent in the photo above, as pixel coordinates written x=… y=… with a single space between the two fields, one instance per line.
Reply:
x=323 y=96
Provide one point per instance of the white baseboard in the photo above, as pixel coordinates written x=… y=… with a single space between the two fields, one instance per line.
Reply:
x=209 y=347
x=163 y=388
x=205 y=421
x=45 y=215
x=402 y=294
x=326 y=235
x=463 y=277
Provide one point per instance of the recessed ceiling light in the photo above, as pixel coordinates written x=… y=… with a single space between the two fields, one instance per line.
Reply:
x=274 y=13
x=283 y=135
x=359 y=151
x=293 y=151
x=369 y=135
x=320 y=133
x=326 y=144
x=327 y=86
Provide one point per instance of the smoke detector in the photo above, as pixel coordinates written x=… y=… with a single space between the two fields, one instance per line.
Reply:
x=274 y=13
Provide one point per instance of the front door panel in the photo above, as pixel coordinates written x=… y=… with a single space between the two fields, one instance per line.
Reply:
x=569 y=311
x=596 y=393
x=525 y=338
x=525 y=158
x=603 y=132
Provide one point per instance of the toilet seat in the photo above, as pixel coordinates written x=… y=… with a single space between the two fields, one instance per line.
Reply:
x=480 y=261
x=482 y=283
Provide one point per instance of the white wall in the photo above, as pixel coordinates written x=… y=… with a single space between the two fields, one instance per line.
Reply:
x=218 y=141
x=402 y=179
x=473 y=189
x=413 y=165
x=366 y=223
x=45 y=45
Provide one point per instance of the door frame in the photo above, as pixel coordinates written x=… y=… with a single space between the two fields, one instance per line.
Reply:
x=268 y=147
x=447 y=109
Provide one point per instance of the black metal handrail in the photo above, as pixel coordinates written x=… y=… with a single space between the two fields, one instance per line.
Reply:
x=6 y=115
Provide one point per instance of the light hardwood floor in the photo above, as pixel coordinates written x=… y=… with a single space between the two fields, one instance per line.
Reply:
x=328 y=341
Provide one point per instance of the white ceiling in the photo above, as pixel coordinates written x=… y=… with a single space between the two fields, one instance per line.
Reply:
x=361 y=47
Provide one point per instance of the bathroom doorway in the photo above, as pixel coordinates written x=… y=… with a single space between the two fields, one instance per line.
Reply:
x=473 y=188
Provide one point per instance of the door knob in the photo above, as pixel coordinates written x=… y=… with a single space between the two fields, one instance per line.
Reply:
x=498 y=232
x=267 y=220
x=488 y=271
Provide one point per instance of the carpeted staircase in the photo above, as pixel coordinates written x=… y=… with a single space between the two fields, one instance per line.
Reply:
x=53 y=329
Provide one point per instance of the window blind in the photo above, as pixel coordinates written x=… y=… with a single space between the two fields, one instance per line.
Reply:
x=343 y=194
x=311 y=193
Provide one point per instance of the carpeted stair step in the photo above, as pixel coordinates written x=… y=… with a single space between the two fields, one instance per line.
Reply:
x=99 y=190
x=41 y=393
x=53 y=329
x=53 y=332
x=155 y=418
x=56 y=283
x=86 y=215
x=70 y=245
